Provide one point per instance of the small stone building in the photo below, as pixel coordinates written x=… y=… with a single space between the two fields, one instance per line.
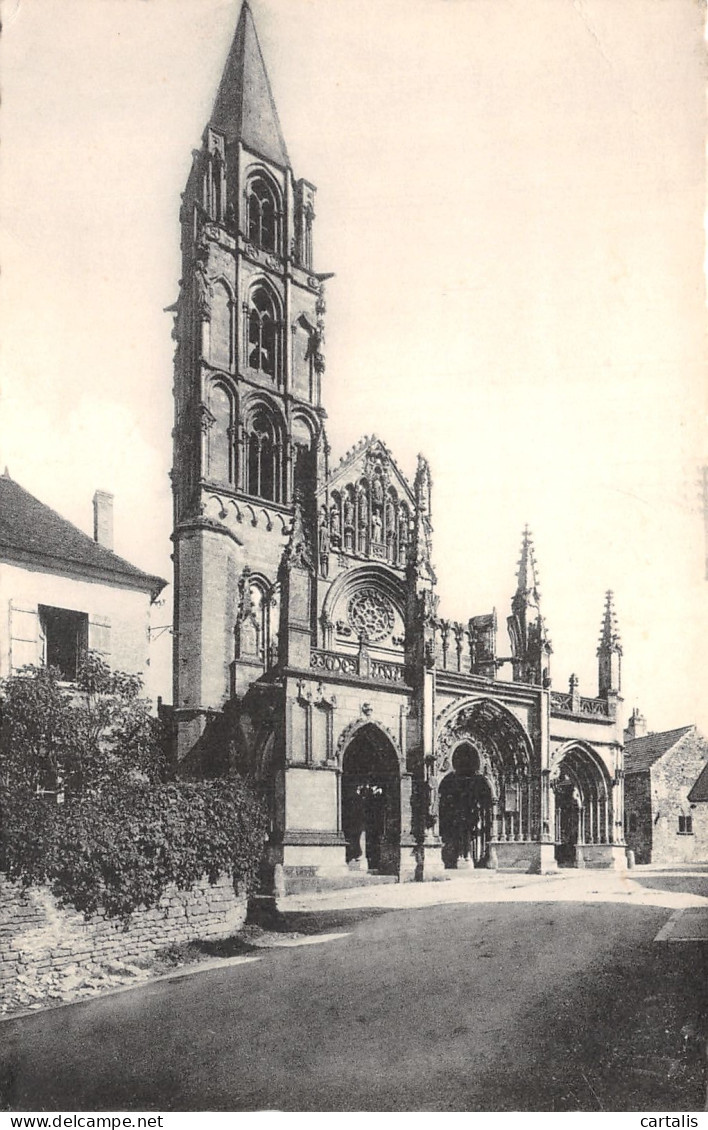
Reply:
x=62 y=592
x=309 y=647
x=698 y=799
x=666 y=790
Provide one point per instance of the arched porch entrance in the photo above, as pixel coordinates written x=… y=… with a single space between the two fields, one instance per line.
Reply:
x=465 y=811
x=581 y=786
x=371 y=800
x=486 y=795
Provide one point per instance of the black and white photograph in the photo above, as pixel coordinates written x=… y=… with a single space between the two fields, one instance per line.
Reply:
x=353 y=557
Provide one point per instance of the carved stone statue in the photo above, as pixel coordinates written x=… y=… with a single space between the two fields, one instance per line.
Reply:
x=377 y=528
x=324 y=531
x=377 y=491
x=203 y=290
x=363 y=510
x=348 y=512
x=433 y=798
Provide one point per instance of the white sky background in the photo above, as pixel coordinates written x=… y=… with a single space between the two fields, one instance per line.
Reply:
x=511 y=194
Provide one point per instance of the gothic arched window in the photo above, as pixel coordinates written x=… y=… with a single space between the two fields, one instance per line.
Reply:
x=220 y=435
x=262 y=211
x=264 y=457
x=262 y=332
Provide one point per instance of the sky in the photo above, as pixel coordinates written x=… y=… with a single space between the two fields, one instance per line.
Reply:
x=511 y=196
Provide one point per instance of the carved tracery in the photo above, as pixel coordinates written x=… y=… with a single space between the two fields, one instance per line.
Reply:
x=368 y=518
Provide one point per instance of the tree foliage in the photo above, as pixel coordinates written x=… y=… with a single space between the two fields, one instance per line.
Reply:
x=89 y=806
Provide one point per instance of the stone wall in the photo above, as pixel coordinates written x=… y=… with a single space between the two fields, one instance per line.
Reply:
x=672 y=778
x=47 y=951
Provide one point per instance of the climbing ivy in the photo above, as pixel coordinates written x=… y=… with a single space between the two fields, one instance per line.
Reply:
x=89 y=805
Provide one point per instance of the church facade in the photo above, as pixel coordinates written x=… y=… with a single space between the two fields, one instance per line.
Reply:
x=309 y=647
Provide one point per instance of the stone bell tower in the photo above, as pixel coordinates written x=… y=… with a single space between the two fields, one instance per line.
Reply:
x=248 y=429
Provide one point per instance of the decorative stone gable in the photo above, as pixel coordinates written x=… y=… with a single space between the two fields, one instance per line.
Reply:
x=367 y=505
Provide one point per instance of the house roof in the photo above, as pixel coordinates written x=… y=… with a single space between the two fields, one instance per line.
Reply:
x=700 y=789
x=31 y=530
x=641 y=753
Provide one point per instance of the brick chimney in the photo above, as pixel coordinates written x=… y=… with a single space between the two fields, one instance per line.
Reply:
x=636 y=727
x=103 y=518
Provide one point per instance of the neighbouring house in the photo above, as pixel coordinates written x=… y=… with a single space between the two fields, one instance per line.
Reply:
x=666 y=790
x=62 y=592
x=698 y=799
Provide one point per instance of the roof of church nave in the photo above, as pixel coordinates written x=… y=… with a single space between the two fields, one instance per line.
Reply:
x=244 y=109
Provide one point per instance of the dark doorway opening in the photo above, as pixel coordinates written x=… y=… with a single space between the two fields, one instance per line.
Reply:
x=465 y=811
x=567 y=823
x=371 y=801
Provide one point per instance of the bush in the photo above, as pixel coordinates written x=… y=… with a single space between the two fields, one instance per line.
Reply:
x=124 y=831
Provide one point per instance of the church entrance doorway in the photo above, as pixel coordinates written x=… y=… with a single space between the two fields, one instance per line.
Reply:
x=568 y=809
x=465 y=811
x=371 y=801
x=582 y=791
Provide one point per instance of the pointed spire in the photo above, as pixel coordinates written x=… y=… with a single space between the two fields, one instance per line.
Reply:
x=527 y=576
x=244 y=109
x=420 y=550
x=609 y=652
x=609 y=631
x=530 y=641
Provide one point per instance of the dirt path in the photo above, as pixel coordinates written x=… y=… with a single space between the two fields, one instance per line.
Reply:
x=520 y=1003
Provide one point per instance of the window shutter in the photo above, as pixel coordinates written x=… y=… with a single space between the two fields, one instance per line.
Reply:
x=24 y=638
x=99 y=635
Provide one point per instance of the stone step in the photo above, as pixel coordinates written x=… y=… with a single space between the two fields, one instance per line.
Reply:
x=298 y=884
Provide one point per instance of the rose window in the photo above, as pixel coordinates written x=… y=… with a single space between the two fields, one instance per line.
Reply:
x=371 y=614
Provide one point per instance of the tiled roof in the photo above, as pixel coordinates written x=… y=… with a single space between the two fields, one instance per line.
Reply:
x=641 y=753
x=700 y=789
x=29 y=528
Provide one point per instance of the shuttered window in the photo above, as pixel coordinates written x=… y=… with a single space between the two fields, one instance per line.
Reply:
x=25 y=643
x=99 y=635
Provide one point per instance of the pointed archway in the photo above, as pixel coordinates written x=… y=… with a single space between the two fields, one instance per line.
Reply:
x=371 y=800
x=486 y=792
x=582 y=790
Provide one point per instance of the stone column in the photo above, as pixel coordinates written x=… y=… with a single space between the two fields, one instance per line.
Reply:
x=617 y=830
x=547 y=817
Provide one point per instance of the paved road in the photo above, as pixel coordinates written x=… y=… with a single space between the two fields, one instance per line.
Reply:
x=533 y=996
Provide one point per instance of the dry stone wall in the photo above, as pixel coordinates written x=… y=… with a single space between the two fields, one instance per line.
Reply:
x=49 y=953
